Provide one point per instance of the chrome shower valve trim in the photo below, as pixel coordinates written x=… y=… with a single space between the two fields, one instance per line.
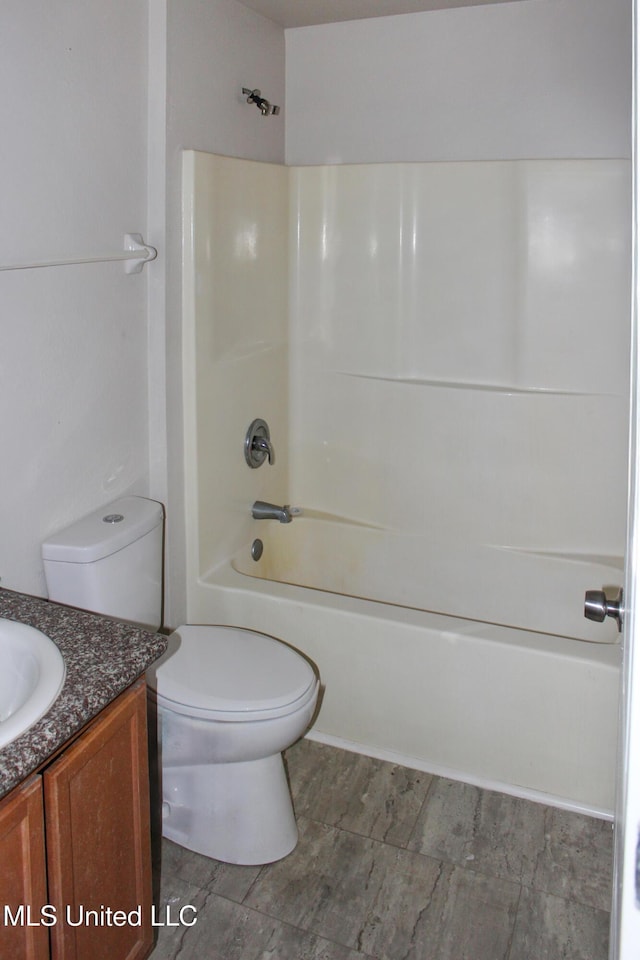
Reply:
x=257 y=444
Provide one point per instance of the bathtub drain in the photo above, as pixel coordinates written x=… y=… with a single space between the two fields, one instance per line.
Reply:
x=256 y=549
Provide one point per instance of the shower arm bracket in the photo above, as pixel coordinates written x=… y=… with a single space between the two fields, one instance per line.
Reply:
x=266 y=108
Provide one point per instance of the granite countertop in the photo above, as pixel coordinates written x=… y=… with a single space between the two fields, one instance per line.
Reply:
x=102 y=656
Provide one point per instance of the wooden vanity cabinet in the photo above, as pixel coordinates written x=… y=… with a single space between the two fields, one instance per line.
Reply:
x=96 y=801
x=23 y=876
x=98 y=847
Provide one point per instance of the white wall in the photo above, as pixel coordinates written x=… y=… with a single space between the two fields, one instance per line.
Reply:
x=91 y=404
x=538 y=79
x=73 y=361
x=215 y=49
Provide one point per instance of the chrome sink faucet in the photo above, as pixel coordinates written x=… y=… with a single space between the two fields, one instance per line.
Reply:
x=269 y=511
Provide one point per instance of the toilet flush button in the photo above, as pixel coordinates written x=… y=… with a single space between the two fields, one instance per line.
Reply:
x=113 y=518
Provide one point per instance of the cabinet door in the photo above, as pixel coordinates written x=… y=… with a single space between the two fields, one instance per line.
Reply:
x=23 y=880
x=98 y=838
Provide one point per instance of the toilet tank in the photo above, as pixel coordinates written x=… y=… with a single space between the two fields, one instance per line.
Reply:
x=110 y=562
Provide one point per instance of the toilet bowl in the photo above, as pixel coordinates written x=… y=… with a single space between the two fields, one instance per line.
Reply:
x=229 y=701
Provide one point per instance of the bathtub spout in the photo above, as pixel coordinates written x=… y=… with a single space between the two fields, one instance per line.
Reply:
x=269 y=511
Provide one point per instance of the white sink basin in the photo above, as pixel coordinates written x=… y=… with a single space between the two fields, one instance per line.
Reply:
x=31 y=675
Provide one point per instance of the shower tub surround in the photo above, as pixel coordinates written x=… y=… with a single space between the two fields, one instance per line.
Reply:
x=426 y=342
x=102 y=657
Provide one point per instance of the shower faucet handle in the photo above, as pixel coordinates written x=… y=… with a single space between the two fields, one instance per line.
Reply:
x=263 y=445
x=257 y=444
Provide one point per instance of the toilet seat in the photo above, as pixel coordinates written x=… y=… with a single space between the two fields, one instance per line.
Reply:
x=231 y=674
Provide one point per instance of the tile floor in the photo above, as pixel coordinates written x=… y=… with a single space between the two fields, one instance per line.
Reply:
x=394 y=864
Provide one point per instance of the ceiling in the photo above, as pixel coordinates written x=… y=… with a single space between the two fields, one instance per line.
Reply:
x=305 y=13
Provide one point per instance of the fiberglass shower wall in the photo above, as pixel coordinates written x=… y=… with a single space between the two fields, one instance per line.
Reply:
x=459 y=343
x=235 y=350
x=441 y=351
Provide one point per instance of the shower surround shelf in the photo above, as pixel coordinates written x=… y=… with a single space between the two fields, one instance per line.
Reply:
x=136 y=253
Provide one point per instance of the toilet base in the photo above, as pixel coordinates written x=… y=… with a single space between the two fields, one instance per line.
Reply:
x=235 y=812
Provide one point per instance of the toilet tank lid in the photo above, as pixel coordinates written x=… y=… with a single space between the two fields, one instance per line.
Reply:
x=104 y=531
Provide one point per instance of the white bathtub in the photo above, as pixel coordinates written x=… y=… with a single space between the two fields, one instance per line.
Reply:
x=530 y=714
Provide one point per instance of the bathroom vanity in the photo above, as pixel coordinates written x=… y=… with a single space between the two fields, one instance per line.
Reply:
x=75 y=842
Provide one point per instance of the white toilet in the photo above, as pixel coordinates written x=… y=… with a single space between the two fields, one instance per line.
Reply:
x=229 y=700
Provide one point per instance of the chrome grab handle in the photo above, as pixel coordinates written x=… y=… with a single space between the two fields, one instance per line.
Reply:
x=597 y=607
